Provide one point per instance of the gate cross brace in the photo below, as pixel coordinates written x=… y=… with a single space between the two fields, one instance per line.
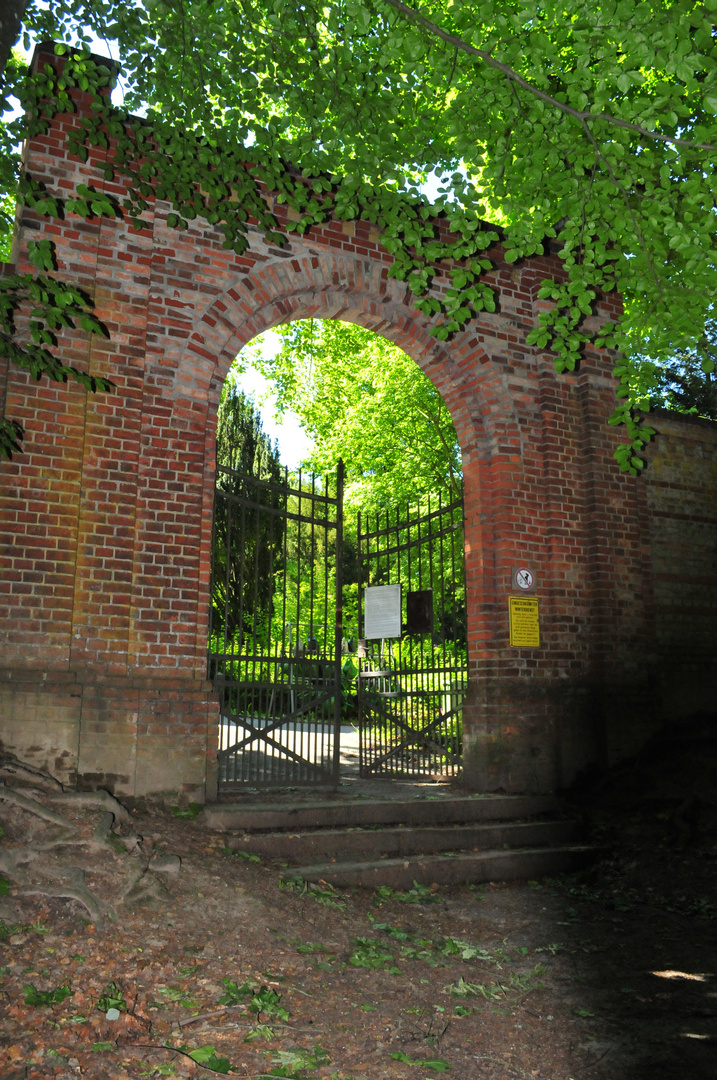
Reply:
x=418 y=737
x=263 y=733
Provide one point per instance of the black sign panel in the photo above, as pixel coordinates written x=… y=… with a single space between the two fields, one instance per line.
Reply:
x=419 y=612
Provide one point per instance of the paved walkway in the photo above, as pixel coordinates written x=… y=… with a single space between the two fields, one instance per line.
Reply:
x=351 y=785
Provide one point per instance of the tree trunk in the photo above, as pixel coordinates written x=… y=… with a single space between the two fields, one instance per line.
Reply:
x=11 y=13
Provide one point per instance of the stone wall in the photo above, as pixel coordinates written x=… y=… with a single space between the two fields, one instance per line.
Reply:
x=681 y=484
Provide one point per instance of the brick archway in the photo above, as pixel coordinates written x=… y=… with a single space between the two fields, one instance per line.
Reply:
x=378 y=304
x=106 y=518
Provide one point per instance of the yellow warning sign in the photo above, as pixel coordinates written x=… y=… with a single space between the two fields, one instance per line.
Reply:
x=524 y=622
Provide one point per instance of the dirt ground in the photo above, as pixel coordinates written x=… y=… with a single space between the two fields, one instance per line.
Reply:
x=610 y=975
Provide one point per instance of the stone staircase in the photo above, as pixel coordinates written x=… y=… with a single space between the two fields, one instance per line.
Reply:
x=453 y=840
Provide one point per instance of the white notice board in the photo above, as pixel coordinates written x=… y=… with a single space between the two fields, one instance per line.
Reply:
x=382 y=611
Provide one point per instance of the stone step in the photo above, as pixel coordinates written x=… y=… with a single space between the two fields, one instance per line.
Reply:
x=465 y=869
x=337 y=813
x=360 y=844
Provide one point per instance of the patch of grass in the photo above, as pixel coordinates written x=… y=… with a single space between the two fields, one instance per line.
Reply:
x=456 y=947
x=267 y=1000
x=310 y=947
x=235 y=994
x=187 y=813
x=260 y=1031
x=322 y=893
x=180 y=997
x=316 y=952
x=322 y=958
x=369 y=954
x=245 y=856
x=418 y=948
x=578 y=890
x=434 y=1064
x=419 y=894
x=479 y=892
x=464 y=988
x=703 y=909
x=260 y=999
x=293 y=1064
x=518 y=984
x=413 y=952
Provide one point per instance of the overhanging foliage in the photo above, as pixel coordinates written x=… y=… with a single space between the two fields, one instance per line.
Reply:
x=591 y=127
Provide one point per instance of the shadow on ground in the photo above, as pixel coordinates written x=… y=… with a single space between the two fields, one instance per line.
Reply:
x=607 y=975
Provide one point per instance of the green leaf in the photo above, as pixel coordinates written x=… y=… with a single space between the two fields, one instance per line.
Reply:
x=207 y=1056
x=111 y=998
x=234 y=994
x=245 y=856
x=436 y=1064
x=41 y=254
x=33 y=996
x=202 y=1053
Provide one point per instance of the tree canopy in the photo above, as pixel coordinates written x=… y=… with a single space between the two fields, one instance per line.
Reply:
x=593 y=127
x=686 y=382
x=363 y=400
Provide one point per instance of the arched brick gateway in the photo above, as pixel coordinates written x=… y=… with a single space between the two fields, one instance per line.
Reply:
x=105 y=520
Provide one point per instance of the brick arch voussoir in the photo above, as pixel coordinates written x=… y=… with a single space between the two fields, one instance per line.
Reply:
x=361 y=292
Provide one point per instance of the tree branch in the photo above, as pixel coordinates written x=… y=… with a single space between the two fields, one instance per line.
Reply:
x=578 y=114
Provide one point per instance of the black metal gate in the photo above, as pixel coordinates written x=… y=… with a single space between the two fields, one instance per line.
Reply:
x=275 y=630
x=411 y=686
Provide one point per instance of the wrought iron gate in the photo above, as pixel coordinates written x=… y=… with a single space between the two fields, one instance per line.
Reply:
x=411 y=688
x=275 y=629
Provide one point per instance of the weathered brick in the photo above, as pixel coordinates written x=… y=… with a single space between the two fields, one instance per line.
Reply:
x=105 y=520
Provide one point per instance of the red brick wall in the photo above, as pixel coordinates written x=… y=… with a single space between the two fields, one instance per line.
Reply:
x=105 y=520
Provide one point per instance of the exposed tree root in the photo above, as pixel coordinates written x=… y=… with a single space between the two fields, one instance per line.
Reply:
x=14 y=771
x=73 y=888
x=8 y=794
x=54 y=865
x=143 y=887
x=101 y=800
x=13 y=863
